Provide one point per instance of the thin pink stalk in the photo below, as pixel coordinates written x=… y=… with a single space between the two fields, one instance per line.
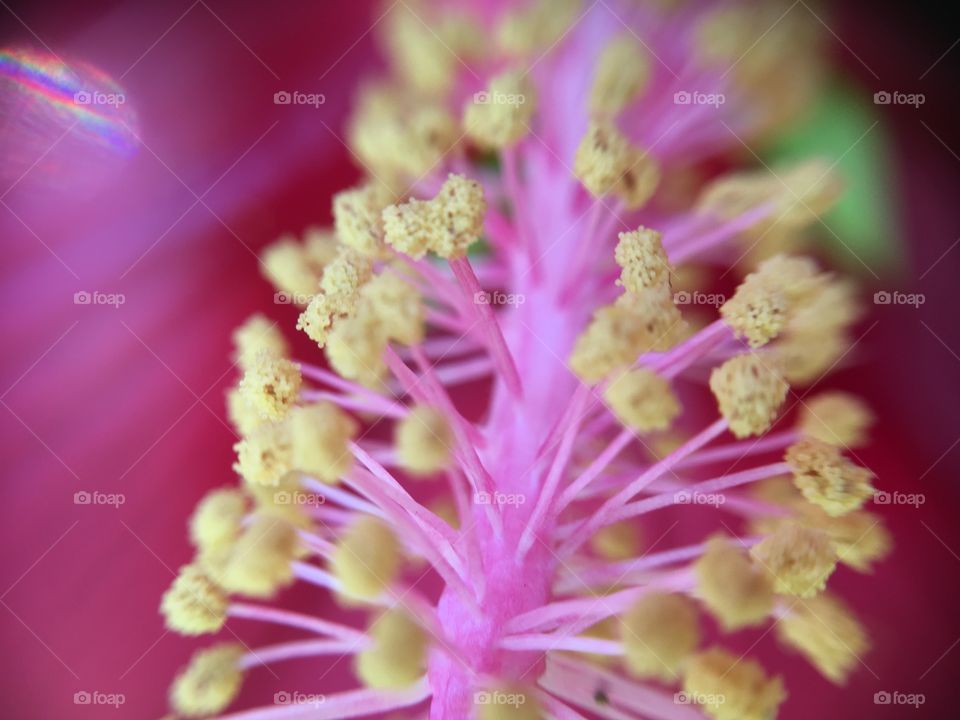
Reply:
x=299 y=649
x=742 y=449
x=599 y=464
x=317 y=625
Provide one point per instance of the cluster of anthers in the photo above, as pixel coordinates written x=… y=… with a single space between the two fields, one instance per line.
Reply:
x=496 y=546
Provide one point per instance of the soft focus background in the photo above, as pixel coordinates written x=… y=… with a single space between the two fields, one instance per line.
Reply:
x=163 y=201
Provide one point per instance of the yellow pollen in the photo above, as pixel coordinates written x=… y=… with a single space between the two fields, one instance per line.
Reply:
x=602 y=158
x=446 y=225
x=366 y=559
x=734 y=589
x=320 y=247
x=827 y=633
x=500 y=116
x=828 y=479
x=356 y=217
x=619 y=541
x=259 y=563
x=643 y=260
x=417 y=53
x=837 y=418
x=355 y=348
x=423 y=441
x=536 y=26
x=288 y=267
x=749 y=393
x=257 y=335
x=340 y=287
x=271 y=385
x=319 y=435
x=194 y=604
x=731 y=687
x=216 y=522
x=623 y=71
x=659 y=632
x=264 y=456
x=244 y=417
x=805 y=356
x=798 y=559
x=397 y=305
x=209 y=683
x=642 y=400
x=398 y=656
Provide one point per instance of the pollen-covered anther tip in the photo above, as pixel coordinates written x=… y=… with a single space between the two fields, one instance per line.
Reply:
x=622 y=74
x=217 y=519
x=837 y=418
x=731 y=687
x=259 y=562
x=423 y=441
x=289 y=268
x=606 y=163
x=265 y=455
x=749 y=394
x=758 y=311
x=446 y=225
x=357 y=217
x=366 y=559
x=500 y=116
x=194 y=604
x=209 y=683
x=828 y=479
x=397 y=656
x=319 y=435
x=271 y=385
x=642 y=400
x=397 y=305
x=642 y=260
x=257 y=336
x=799 y=559
x=659 y=633
x=734 y=589
x=617 y=541
x=339 y=294
x=827 y=633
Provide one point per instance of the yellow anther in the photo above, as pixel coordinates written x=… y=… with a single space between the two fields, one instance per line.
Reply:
x=418 y=54
x=536 y=26
x=623 y=71
x=837 y=418
x=366 y=559
x=319 y=435
x=731 y=687
x=244 y=417
x=357 y=217
x=749 y=393
x=288 y=267
x=271 y=385
x=264 y=455
x=799 y=559
x=733 y=588
x=340 y=292
x=500 y=116
x=259 y=562
x=209 y=683
x=194 y=604
x=619 y=541
x=397 y=658
x=827 y=633
x=659 y=633
x=218 y=518
x=355 y=348
x=397 y=305
x=642 y=260
x=828 y=479
x=804 y=357
x=257 y=335
x=606 y=163
x=642 y=400
x=446 y=225
x=423 y=441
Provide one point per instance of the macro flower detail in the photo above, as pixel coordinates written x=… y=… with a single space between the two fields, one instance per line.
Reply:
x=533 y=248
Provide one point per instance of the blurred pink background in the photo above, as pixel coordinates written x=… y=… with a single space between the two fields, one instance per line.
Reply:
x=129 y=399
